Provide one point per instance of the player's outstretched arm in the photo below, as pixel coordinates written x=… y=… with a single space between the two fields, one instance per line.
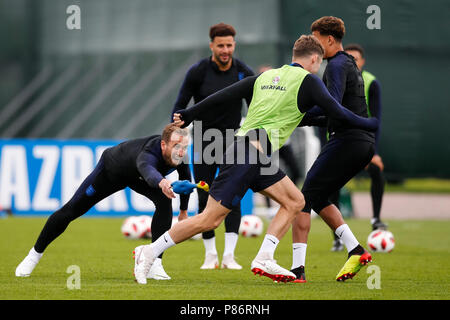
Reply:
x=315 y=93
x=310 y=120
x=239 y=90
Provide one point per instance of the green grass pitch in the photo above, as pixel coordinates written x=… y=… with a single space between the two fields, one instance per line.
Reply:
x=418 y=268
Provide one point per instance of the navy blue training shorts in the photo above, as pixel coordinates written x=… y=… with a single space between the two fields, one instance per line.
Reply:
x=244 y=168
x=338 y=162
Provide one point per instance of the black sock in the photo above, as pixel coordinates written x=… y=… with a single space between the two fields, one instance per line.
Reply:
x=357 y=250
x=335 y=236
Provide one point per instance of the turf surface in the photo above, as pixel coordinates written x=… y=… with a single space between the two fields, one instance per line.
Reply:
x=418 y=268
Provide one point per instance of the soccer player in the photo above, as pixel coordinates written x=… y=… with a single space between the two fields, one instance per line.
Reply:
x=280 y=99
x=204 y=78
x=140 y=164
x=347 y=152
x=372 y=92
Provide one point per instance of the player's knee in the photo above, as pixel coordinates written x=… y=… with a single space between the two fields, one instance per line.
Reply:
x=209 y=222
x=295 y=206
x=301 y=202
x=216 y=223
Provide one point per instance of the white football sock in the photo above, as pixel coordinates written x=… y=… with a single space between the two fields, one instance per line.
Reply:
x=298 y=254
x=269 y=245
x=346 y=235
x=34 y=255
x=210 y=245
x=162 y=244
x=231 y=239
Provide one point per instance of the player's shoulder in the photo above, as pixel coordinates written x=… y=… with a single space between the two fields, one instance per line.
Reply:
x=339 y=61
x=342 y=64
x=151 y=143
x=199 y=67
x=368 y=76
x=313 y=82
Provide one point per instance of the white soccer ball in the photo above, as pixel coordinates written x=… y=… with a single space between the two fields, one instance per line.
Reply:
x=251 y=226
x=147 y=221
x=381 y=241
x=136 y=227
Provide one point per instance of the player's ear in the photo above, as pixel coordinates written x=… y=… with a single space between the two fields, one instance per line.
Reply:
x=163 y=145
x=363 y=62
x=331 y=40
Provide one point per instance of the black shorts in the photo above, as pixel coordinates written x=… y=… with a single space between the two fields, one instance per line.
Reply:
x=338 y=162
x=244 y=168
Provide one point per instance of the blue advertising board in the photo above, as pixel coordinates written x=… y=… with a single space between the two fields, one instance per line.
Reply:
x=38 y=176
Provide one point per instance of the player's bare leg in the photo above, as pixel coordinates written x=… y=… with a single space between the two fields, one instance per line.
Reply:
x=300 y=232
x=291 y=202
x=210 y=218
x=332 y=217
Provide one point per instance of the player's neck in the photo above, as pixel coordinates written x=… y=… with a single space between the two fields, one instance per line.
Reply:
x=300 y=61
x=335 y=49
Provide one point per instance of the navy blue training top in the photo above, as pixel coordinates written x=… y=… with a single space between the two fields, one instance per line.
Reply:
x=205 y=78
x=142 y=159
x=344 y=81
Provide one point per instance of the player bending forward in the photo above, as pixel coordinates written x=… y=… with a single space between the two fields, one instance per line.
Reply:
x=140 y=164
x=280 y=99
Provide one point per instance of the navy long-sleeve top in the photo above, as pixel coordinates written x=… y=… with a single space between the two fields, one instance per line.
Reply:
x=205 y=78
x=312 y=95
x=345 y=83
x=142 y=159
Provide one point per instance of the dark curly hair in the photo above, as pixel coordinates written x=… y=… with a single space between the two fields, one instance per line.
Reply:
x=221 y=30
x=329 y=26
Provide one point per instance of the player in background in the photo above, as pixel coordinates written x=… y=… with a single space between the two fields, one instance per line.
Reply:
x=280 y=99
x=204 y=78
x=372 y=92
x=347 y=152
x=140 y=164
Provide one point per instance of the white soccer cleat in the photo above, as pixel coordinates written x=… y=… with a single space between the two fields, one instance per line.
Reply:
x=264 y=266
x=25 y=268
x=211 y=262
x=157 y=271
x=228 y=262
x=143 y=261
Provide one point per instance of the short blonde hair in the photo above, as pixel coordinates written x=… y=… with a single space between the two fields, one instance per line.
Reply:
x=170 y=129
x=307 y=45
